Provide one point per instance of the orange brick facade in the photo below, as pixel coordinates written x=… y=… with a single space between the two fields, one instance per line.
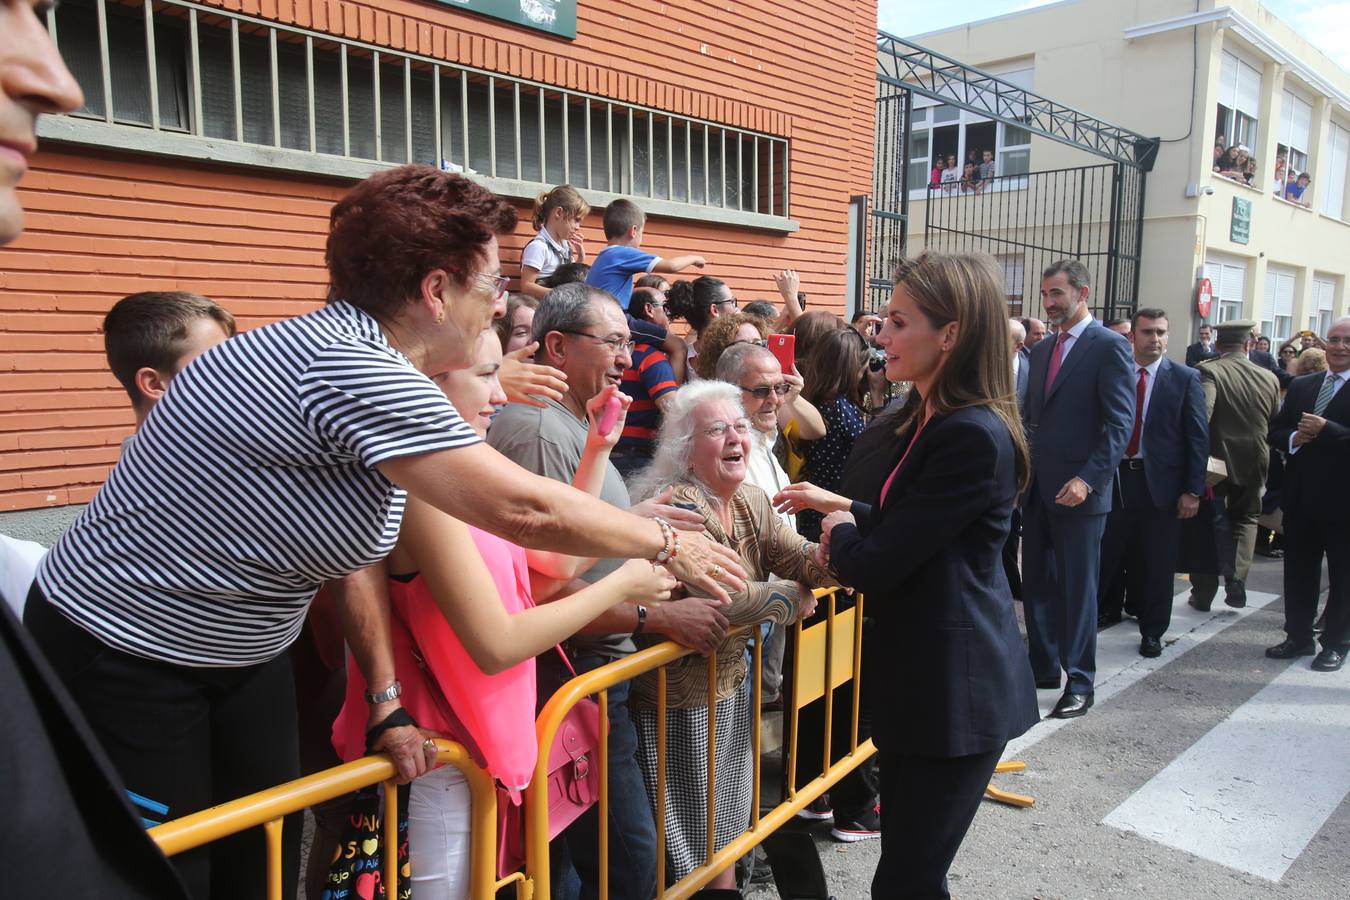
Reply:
x=103 y=225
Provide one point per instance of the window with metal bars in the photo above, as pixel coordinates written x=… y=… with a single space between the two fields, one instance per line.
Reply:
x=231 y=77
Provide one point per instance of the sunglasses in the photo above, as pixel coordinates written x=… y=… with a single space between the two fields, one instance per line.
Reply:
x=763 y=391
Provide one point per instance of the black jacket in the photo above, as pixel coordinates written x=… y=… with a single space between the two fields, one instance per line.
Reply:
x=1316 y=483
x=953 y=679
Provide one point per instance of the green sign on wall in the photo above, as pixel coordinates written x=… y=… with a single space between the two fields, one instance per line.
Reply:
x=556 y=17
x=1241 y=229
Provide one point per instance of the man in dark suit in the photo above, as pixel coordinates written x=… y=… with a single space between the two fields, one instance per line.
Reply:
x=1079 y=412
x=1202 y=349
x=1035 y=333
x=1313 y=431
x=1161 y=479
x=1017 y=332
x=1240 y=399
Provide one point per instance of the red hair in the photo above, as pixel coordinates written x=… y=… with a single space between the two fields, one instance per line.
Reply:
x=396 y=226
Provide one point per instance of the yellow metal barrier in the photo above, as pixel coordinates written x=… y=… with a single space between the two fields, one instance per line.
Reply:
x=832 y=646
x=828 y=655
x=268 y=808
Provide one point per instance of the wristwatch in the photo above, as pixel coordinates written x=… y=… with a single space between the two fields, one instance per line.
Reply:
x=642 y=619
x=393 y=692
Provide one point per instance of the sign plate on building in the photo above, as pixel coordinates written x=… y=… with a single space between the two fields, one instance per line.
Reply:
x=1241 y=229
x=555 y=17
x=1204 y=298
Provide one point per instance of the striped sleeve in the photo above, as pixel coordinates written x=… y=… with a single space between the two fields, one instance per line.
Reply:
x=658 y=378
x=362 y=398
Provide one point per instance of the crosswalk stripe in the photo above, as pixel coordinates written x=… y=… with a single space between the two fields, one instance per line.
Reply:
x=1119 y=664
x=1254 y=791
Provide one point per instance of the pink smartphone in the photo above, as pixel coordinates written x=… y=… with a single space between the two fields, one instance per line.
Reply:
x=609 y=415
x=783 y=347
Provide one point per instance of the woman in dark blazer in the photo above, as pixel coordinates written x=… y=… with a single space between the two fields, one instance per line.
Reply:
x=954 y=685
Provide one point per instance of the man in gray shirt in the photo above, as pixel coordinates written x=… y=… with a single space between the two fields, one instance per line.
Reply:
x=583 y=331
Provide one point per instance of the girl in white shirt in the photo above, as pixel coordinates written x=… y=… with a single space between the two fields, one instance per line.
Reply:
x=557 y=215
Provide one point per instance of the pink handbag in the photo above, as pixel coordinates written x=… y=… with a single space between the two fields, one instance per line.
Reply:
x=573 y=782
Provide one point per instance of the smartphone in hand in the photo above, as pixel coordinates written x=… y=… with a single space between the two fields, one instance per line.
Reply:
x=783 y=348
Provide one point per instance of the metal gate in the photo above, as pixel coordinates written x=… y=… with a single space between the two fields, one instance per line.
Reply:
x=1093 y=213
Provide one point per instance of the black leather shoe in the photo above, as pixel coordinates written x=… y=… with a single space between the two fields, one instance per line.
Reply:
x=1047 y=684
x=1196 y=603
x=1071 y=706
x=1235 y=594
x=1290 y=648
x=1328 y=660
x=1150 y=647
x=1269 y=552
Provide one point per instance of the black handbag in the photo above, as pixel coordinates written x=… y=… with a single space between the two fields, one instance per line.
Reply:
x=357 y=871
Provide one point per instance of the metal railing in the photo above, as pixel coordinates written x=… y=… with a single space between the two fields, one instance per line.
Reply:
x=828 y=656
x=827 y=653
x=179 y=67
x=269 y=809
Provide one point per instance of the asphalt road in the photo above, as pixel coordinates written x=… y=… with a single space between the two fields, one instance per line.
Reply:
x=1210 y=772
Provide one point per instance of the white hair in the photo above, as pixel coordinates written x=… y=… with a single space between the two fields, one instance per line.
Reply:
x=671 y=463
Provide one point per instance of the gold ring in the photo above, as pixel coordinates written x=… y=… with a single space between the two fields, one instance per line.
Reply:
x=715 y=570
x=429 y=744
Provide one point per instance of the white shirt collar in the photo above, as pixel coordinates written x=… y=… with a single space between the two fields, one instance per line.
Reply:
x=1076 y=331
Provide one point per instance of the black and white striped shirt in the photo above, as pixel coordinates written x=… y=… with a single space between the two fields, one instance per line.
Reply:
x=252 y=481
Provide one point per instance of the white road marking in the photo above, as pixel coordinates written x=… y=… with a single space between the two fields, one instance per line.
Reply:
x=1119 y=664
x=1254 y=791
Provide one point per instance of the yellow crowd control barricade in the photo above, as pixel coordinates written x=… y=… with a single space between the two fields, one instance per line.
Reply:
x=268 y=808
x=828 y=656
x=831 y=646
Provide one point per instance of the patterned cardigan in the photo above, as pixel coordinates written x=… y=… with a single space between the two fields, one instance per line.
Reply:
x=774 y=557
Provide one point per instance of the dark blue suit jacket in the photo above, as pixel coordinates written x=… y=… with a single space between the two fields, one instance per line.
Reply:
x=1081 y=428
x=1022 y=381
x=953 y=678
x=1176 y=435
x=1316 y=483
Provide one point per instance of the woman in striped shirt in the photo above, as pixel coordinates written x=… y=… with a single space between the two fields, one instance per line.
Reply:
x=277 y=461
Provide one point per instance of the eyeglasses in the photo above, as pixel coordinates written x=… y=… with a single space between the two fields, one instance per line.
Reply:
x=759 y=343
x=764 y=390
x=615 y=344
x=1338 y=341
x=496 y=283
x=731 y=300
x=717 y=429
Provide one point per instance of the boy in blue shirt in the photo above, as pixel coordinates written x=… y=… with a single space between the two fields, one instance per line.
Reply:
x=614 y=268
x=1295 y=190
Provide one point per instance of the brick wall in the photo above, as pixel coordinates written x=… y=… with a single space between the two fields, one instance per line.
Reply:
x=101 y=226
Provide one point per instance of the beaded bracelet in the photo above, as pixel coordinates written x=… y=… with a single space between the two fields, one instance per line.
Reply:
x=670 y=543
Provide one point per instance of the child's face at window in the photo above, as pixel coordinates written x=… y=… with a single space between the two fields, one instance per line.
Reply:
x=988 y=157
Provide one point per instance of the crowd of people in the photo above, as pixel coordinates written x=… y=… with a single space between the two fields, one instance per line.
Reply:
x=974 y=176
x=416 y=511
x=1237 y=164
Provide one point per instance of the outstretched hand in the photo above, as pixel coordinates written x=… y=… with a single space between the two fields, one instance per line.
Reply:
x=678 y=517
x=525 y=381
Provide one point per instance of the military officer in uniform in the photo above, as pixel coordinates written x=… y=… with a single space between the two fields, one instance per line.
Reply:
x=1241 y=398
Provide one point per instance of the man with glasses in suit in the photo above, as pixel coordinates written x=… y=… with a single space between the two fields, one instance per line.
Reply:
x=1312 y=429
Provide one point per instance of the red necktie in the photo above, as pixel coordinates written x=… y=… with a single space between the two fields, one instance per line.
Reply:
x=1132 y=449
x=1056 y=358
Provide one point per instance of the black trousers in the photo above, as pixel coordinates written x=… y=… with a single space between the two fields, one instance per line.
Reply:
x=1139 y=547
x=927 y=805
x=1306 y=541
x=186 y=738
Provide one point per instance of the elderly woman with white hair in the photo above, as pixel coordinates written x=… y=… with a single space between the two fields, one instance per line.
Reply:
x=701 y=453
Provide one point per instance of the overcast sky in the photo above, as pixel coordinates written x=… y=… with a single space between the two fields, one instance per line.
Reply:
x=1325 y=24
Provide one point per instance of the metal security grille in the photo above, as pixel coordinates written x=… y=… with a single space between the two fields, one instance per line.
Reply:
x=889 y=217
x=1026 y=222
x=176 y=68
